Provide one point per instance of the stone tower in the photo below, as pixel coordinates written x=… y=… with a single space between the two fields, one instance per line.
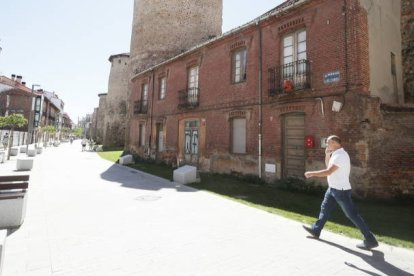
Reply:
x=100 y=118
x=164 y=28
x=407 y=35
x=115 y=102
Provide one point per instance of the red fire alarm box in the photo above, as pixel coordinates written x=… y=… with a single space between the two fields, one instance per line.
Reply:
x=309 y=142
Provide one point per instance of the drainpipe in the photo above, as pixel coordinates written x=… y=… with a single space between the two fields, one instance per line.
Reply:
x=152 y=106
x=260 y=98
x=345 y=12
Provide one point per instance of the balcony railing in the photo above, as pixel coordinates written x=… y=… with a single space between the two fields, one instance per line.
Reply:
x=289 y=77
x=188 y=98
x=141 y=107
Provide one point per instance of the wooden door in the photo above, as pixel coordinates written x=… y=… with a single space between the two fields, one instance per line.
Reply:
x=293 y=145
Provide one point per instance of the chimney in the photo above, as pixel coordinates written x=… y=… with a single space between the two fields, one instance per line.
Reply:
x=24 y=83
x=13 y=77
x=19 y=79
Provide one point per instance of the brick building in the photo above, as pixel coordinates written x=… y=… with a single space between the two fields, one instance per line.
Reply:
x=262 y=98
x=17 y=98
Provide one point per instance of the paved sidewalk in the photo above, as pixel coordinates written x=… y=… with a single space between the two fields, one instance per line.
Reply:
x=86 y=216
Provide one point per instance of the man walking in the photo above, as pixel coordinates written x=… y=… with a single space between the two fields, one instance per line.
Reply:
x=5 y=140
x=338 y=167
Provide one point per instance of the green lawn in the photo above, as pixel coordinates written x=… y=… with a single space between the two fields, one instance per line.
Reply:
x=391 y=222
x=111 y=155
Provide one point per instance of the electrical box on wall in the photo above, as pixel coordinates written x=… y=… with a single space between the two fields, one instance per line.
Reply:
x=336 y=106
x=323 y=142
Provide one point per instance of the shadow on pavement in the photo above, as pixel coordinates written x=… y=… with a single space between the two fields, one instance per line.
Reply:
x=134 y=179
x=377 y=261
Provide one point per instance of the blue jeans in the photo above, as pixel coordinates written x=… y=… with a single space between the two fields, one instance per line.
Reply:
x=343 y=198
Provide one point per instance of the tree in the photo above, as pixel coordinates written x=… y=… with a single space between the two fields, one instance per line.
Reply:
x=49 y=130
x=78 y=132
x=65 y=131
x=11 y=122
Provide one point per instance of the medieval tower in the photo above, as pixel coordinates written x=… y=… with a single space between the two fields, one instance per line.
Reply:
x=164 y=28
x=116 y=106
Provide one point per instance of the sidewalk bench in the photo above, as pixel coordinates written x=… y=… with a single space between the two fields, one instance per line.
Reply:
x=13 y=197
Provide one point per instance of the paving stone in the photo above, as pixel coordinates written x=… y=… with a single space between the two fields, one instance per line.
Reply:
x=87 y=216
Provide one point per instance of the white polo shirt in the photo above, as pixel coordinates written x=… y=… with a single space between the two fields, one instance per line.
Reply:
x=339 y=179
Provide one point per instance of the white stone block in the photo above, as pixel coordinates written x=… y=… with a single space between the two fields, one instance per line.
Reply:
x=14 y=151
x=24 y=164
x=39 y=150
x=127 y=159
x=12 y=211
x=185 y=174
x=3 y=235
x=31 y=152
x=2 y=156
x=23 y=149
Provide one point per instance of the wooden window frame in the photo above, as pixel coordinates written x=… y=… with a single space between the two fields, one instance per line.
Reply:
x=243 y=66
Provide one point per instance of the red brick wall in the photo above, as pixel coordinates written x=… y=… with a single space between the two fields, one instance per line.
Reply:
x=20 y=102
x=327 y=52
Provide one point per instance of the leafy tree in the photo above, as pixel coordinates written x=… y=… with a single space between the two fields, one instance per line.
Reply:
x=48 y=130
x=78 y=132
x=11 y=122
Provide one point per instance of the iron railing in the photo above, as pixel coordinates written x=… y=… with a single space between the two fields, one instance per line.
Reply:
x=188 y=98
x=141 y=107
x=289 y=77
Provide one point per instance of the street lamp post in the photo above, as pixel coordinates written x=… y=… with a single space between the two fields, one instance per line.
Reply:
x=30 y=123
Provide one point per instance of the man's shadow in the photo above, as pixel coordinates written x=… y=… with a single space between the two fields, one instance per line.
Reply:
x=377 y=261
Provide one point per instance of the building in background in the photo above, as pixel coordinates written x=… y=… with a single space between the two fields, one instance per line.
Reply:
x=16 y=97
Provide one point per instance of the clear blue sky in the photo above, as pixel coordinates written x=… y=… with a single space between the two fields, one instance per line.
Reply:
x=64 y=45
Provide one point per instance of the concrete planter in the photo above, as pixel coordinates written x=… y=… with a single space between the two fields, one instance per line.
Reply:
x=3 y=235
x=14 y=151
x=39 y=150
x=127 y=159
x=31 y=152
x=23 y=149
x=2 y=156
x=24 y=164
x=12 y=211
x=186 y=174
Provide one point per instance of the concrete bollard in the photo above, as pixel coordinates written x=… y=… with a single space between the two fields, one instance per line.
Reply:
x=24 y=164
x=127 y=159
x=2 y=156
x=31 y=152
x=14 y=151
x=3 y=235
x=186 y=174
